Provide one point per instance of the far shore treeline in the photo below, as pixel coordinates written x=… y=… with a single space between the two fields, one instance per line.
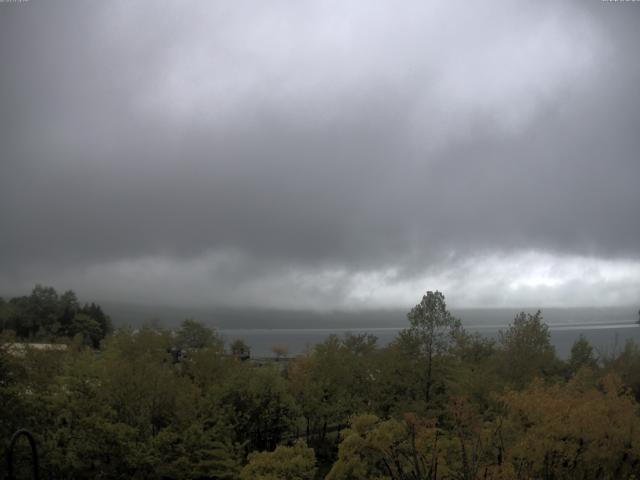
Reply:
x=436 y=403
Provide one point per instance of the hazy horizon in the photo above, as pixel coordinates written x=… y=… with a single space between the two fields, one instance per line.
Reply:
x=257 y=318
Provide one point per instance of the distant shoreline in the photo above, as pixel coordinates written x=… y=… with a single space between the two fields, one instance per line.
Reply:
x=254 y=318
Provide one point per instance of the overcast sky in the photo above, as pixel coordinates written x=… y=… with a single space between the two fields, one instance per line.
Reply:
x=322 y=154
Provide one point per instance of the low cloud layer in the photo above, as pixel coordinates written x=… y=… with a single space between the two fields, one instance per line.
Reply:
x=321 y=155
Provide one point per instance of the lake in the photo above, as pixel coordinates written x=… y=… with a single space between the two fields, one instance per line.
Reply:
x=606 y=338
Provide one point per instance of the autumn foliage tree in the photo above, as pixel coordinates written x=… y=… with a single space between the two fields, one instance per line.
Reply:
x=573 y=431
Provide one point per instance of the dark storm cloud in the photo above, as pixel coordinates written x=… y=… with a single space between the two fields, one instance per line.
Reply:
x=244 y=146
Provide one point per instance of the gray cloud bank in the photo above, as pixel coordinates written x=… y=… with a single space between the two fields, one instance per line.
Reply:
x=321 y=154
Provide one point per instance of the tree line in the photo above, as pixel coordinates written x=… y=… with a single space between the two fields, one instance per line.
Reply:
x=436 y=403
x=46 y=316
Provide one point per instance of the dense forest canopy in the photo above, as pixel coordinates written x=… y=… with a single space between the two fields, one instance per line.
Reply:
x=436 y=403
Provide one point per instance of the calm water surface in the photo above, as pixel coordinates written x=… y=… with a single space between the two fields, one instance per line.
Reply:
x=606 y=338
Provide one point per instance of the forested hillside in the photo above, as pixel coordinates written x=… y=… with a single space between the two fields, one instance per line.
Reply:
x=437 y=403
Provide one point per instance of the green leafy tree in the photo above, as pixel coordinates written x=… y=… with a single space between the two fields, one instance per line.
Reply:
x=96 y=312
x=43 y=311
x=256 y=404
x=87 y=328
x=141 y=385
x=473 y=374
x=45 y=316
x=82 y=436
x=208 y=368
x=240 y=350
x=35 y=315
x=194 y=335
x=197 y=453
x=284 y=463
x=5 y=316
x=13 y=405
x=434 y=331
x=526 y=350
x=332 y=382
x=400 y=377
x=581 y=356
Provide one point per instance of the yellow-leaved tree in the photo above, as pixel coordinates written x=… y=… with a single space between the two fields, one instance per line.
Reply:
x=583 y=429
x=297 y=462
